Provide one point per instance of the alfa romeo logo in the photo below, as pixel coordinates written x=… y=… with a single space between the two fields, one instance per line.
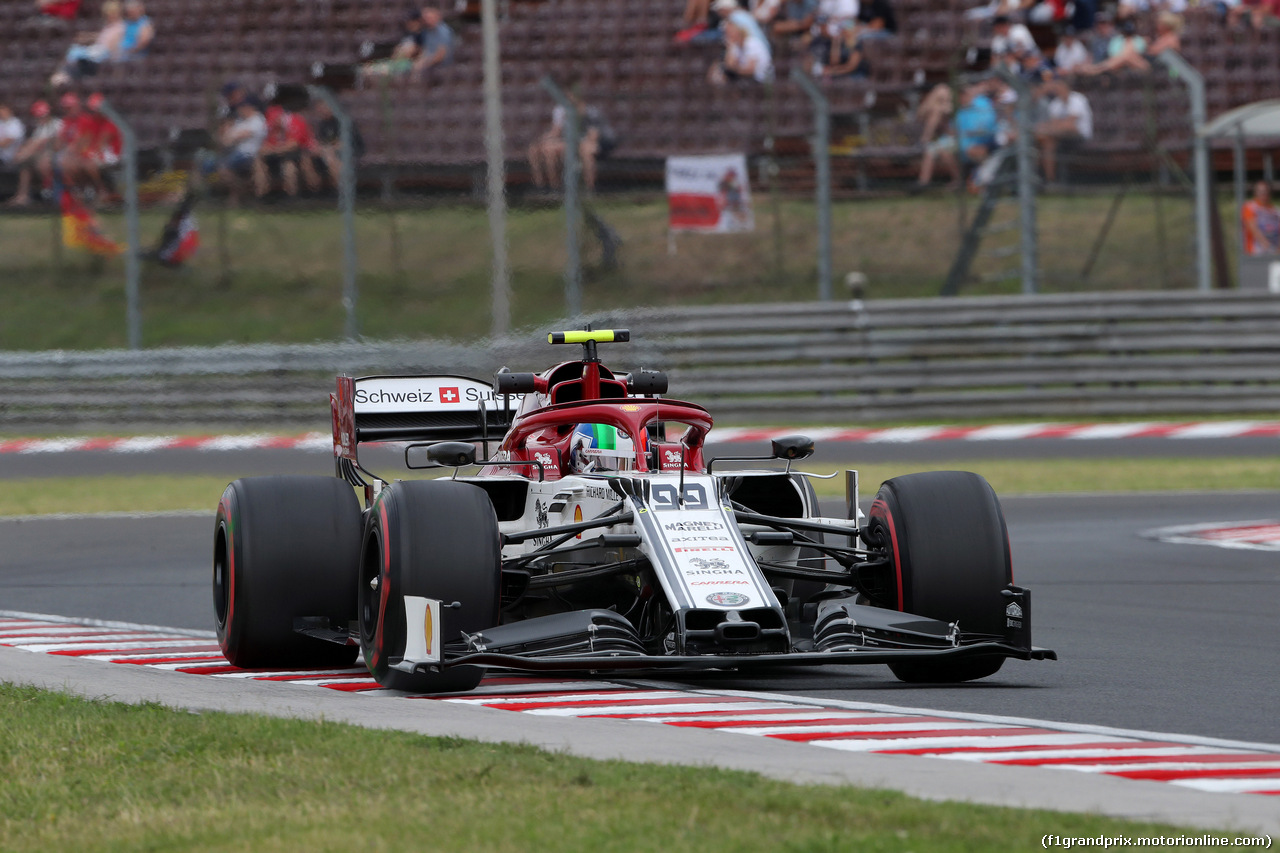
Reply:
x=727 y=599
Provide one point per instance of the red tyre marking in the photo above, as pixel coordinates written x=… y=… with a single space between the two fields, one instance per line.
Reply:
x=384 y=582
x=884 y=516
x=225 y=506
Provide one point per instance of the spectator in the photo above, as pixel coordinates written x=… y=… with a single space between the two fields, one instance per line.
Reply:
x=241 y=140
x=1259 y=12
x=1031 y=66
x=832 y=19
x=976 y=127
x=404 y=54
x=934 y=115
x=138 y=31
x=847 y=57
x=1071 y=52
x=1124 y=51
x=700 y=23
x=731 y=13
x=1260 y=221
x=93 y=49
x=1100 y=44
x=746 y=56
x=36 y=154
x=288 y=141
x=1084 y=15
x=436 y=42
x=994 y=9
x=596 y=141
x=796 y=18
x=64 y=9
x=11 y=135
x=99 y=146
x=1069 y=123
x=1006 y=36
x=326 y=157
x=1168 y=35
x=876 y=20
x=74 y=139
x=1048 y=12
x=765 y=11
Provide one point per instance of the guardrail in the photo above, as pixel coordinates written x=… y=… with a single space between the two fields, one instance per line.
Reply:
x=1137 y=354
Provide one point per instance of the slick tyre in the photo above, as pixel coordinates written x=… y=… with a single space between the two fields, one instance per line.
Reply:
x=284 y=548
x=436 y=539
x=949 y=549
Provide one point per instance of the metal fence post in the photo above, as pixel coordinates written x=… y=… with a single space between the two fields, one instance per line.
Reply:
x=821 y=148
x=573 y=266
x=495 y=172
x=133 y=242
x=1026 y=181
x=347 y=206
x=1194 y=80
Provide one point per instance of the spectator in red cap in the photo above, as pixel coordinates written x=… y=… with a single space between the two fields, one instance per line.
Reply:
x=288 y=138
x=36 y=154
x=100 y=146
x=72 y=147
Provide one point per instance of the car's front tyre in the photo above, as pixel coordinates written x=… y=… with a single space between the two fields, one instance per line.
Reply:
x=436 y=539
x=945 y=535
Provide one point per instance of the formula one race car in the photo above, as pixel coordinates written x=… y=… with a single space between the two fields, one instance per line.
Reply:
x=599 y=537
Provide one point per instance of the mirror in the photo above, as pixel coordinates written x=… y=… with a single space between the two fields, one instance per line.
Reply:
x=448 y=454
x=792 y=447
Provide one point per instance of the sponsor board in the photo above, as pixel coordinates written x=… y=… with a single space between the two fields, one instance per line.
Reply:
x=709 y=193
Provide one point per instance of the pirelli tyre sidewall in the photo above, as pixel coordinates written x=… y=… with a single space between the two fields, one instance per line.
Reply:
x=949 y=547
x=436 y=539
x=284 y=548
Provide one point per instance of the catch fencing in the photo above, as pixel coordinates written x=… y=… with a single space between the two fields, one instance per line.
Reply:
x=1063 y=356
x=411 y=253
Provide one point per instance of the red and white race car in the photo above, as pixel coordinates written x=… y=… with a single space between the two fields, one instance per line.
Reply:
x=598 y=536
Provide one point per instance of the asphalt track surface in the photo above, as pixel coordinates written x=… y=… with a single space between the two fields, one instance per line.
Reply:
x=1152 y=636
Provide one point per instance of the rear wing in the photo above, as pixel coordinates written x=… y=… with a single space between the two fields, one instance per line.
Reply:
x=416 y=408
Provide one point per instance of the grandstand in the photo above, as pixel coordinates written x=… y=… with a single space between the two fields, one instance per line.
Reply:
x=654 y=90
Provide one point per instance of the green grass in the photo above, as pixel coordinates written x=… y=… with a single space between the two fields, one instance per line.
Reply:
x=157 y=493
x=276 y=276
x=93 y=775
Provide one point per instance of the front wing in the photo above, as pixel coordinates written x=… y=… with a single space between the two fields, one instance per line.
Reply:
x=605 y=663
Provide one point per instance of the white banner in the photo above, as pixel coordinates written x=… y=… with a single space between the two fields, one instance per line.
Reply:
x=709 y=193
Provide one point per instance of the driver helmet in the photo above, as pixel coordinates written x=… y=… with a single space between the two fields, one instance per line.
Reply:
x=599 y=447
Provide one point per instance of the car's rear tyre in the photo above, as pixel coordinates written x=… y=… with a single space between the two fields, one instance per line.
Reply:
x=949 y=549
x=436 y=539
x=284 y=548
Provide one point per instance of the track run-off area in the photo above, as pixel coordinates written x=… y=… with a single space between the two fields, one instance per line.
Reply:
x=1205 y=764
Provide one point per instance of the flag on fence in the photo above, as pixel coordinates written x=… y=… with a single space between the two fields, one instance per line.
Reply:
x=80 y=229
x=181 y=236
